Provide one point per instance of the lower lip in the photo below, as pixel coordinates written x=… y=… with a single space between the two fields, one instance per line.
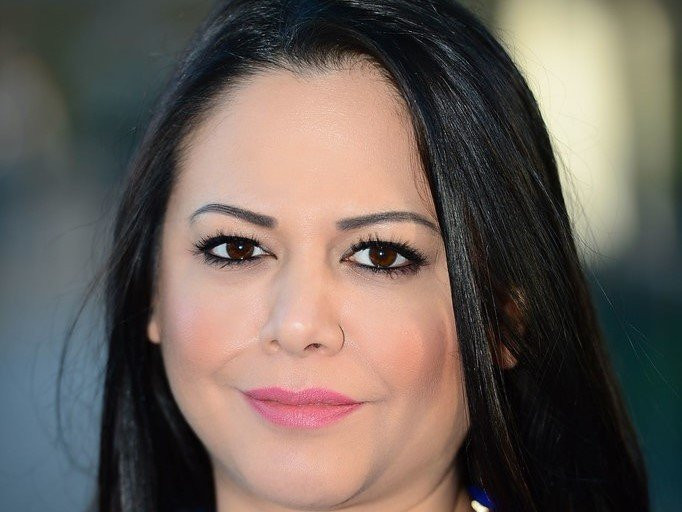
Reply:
x=300 y=416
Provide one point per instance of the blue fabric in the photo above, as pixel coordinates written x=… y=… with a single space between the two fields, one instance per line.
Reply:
x=480 y=495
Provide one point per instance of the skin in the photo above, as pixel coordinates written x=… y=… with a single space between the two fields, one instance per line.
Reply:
x=309 y=150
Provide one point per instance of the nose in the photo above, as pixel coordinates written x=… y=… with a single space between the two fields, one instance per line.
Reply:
x=303 y=319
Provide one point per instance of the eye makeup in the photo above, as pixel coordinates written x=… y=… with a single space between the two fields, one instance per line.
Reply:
x=206 y=247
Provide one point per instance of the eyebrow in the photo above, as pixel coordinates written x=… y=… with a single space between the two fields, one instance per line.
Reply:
x=347 y=224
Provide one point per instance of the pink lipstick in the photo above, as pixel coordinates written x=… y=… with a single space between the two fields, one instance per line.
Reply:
x=308 y=408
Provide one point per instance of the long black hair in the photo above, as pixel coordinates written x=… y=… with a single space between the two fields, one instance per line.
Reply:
x=550 y=434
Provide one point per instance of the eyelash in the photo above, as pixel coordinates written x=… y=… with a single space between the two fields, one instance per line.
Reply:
x=416 y=258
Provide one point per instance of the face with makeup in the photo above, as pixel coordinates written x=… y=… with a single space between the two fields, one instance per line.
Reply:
x=275 y=271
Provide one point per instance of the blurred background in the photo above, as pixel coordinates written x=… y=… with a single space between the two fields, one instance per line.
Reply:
x=77 y=82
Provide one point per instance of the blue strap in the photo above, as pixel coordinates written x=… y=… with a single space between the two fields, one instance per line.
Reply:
x=480 y=495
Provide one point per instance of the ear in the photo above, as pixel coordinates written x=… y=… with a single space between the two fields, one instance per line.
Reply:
x=153 y=327
x=507 y=360
x=514 y=316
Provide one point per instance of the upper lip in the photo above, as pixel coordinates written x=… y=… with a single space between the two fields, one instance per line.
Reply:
x=301 y=397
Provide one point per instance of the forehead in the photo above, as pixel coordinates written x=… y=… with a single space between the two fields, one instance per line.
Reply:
x=320 y=145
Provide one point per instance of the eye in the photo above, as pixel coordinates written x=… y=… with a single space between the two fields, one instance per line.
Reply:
x=381 y=256
x=223 y=250
x=391 y=258
x=236 y=249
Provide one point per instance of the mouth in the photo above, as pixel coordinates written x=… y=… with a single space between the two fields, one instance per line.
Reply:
x=307 y=409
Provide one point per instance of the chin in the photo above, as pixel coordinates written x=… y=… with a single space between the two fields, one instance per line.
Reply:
x=315 y=502
x=305 y=490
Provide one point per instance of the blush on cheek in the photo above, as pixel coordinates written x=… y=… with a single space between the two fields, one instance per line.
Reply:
x=199 y=333
x=413 y=355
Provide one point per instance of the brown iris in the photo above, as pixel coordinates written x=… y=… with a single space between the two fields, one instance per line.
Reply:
x=382 y=256
x=239 y=250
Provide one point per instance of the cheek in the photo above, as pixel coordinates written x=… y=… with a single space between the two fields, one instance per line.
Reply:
x=204 y=325
x=414 y=346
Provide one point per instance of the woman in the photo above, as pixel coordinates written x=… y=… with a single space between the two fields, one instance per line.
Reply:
x=343 y=278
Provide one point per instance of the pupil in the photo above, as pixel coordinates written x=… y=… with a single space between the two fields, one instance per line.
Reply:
x=241 y=253
x=378 y=256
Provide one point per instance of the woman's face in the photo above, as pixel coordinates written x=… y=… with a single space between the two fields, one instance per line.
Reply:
x=308 y=153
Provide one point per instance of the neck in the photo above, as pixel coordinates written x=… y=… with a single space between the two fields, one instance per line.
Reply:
x=449 y=495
